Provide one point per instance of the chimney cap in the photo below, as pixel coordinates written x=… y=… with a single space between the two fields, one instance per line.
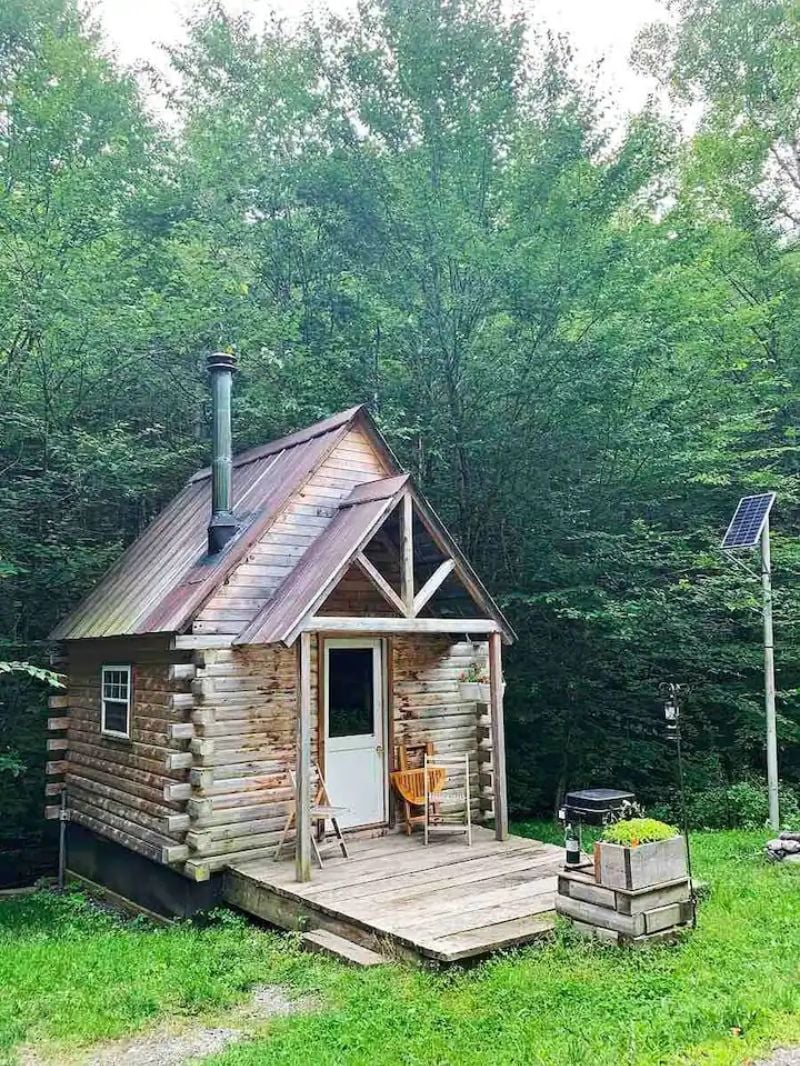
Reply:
x=221 y=361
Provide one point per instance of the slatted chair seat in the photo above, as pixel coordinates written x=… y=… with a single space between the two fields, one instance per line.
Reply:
x=321 y=811
x=444 y=821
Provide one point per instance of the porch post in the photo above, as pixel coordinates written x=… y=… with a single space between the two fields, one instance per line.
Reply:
x=303 y=772
x=498 y=737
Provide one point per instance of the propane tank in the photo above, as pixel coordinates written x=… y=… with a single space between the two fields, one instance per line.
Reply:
x=572 y=846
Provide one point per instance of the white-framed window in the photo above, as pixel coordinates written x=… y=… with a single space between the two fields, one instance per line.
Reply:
x=116 y=701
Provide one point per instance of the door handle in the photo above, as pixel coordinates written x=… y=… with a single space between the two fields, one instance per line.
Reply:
x=379 y=749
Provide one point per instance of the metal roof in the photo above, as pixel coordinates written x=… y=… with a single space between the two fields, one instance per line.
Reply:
x=166 y=574
x=160 y=583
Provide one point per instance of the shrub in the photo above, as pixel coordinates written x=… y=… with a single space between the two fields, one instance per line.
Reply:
x=638 y=831
x=741 y=805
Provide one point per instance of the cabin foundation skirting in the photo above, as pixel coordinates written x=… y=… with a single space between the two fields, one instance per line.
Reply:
x=138 y=879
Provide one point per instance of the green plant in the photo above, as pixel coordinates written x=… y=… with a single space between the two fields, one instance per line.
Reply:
x=638 y=831
x=476 y=673
x=560 y=1003
x=741 y=805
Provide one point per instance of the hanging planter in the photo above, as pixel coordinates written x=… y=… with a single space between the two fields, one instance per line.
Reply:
x=474 y=684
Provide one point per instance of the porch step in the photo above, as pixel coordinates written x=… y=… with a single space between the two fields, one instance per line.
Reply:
x=339 y=948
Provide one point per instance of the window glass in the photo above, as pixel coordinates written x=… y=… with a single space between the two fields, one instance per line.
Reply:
x=116 y=699
x=351 y=695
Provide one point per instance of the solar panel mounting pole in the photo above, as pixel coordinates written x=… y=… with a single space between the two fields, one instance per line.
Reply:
x=748 y=528
x=769 y=680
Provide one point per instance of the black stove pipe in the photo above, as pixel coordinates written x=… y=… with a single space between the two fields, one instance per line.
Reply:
x=222 y=525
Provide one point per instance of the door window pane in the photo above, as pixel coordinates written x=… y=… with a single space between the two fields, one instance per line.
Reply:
x=350 y=692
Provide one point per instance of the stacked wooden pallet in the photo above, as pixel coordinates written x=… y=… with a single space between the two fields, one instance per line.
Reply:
x=623 y=915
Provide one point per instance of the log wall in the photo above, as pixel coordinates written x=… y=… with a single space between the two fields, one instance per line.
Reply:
x=203 y=781
x=124 y=789
x=428 y=706
x=244 y=726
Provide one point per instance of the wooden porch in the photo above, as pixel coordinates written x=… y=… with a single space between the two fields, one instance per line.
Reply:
x=442 y=903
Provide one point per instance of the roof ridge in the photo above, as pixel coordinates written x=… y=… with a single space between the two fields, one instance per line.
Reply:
x=290 y=440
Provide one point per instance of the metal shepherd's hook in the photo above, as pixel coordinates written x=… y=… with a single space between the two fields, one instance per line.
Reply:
x=676 y=695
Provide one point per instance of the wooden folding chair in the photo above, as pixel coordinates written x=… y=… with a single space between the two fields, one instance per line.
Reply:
x=322 y=811
x=438 y=820
x=407 y=780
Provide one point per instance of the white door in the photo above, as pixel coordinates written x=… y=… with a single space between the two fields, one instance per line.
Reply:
x=354 y=749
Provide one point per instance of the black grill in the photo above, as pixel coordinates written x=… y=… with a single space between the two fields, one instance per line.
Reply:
x=595 y=806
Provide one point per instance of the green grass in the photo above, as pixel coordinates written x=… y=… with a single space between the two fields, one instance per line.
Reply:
x=731 y=989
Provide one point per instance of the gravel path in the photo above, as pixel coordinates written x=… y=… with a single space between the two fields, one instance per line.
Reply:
x=167 y=1047
x=787 y=1056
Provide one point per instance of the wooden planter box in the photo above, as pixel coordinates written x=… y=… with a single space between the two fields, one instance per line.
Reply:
x=645 y=866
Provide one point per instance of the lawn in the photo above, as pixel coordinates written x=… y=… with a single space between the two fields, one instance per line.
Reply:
x=72 y=975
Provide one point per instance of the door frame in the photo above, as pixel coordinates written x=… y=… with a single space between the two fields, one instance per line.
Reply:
x=384 y=666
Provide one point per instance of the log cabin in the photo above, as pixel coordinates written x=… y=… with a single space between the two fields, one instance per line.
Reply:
x=298 y=605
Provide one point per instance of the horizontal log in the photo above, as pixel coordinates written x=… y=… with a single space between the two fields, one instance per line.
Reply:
x=57 y=744
x=231 y=728
x=137 y=782
x=240 y=846
x=202 y=749
x=182 y=671
x=116 y=796
x=56 y=724
x=122 y=756
x=202 y=868
x=177 y=791
x=193 y=642
x=53 y=812
x=200 y=842
x=172 y=853
x=181 y=701
x=199 y=808
x=58 y=703
x=227 y=782
x=180 y=731
x=126 y=839
x=197 y=871
x=201 y=778
x=54 y=788
x=179 y=760
x=236 y=762
x=88 y=732
x=275 y=805
x=58 y=766
x=125 y=821
x=176 y=823
x=206 y=838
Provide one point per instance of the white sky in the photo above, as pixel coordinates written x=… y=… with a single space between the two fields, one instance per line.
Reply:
x=597 y=28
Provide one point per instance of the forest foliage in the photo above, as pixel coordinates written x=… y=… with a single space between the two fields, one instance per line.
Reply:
x=580 y=336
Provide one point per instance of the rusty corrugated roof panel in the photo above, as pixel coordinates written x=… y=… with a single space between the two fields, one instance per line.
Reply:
x=301 y=436
x=165 y=575
x=325 y=562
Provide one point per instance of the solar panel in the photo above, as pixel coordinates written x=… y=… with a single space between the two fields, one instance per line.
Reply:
x=748 y=521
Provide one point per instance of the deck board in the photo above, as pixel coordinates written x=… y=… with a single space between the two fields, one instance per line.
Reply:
x=445 y=902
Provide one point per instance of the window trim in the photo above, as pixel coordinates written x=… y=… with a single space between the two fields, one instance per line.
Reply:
x=116 y=734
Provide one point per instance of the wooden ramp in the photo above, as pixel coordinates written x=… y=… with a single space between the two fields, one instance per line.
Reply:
x=444 y=902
